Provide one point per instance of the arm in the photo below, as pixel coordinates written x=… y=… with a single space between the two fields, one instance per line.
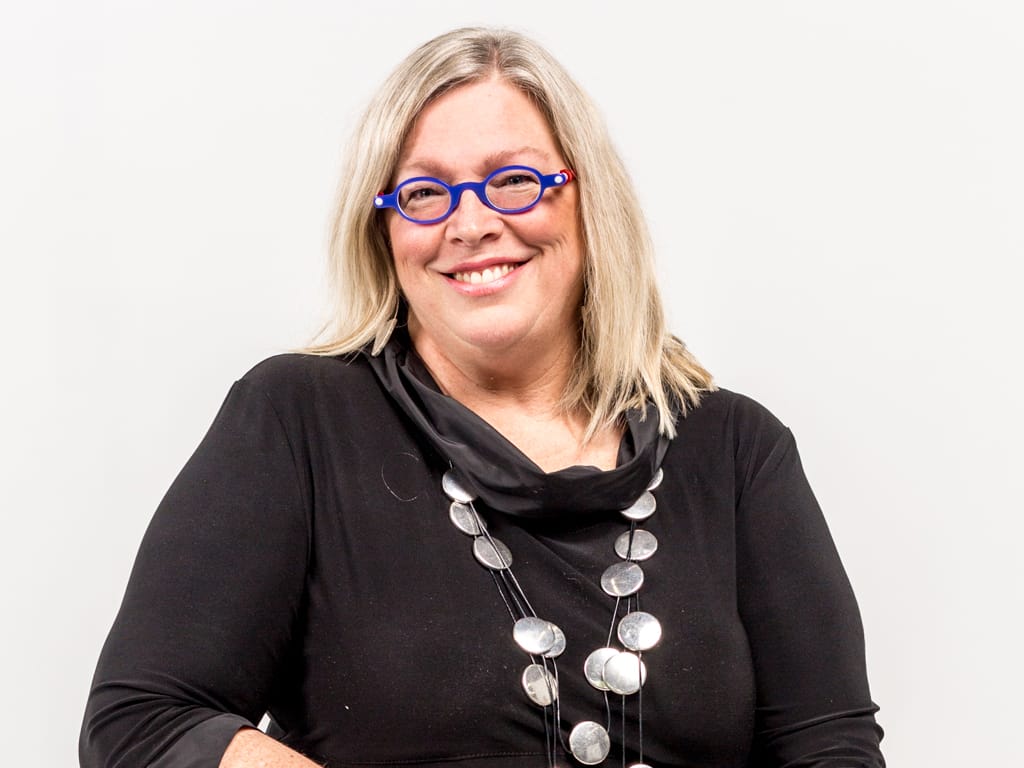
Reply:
x=252 y=749
x=207 y=615
x=813 y=704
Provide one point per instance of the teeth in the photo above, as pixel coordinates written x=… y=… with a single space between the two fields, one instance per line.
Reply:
x=488 y=275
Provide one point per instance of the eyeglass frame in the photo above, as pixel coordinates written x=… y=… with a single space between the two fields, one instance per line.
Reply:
x=547 y=181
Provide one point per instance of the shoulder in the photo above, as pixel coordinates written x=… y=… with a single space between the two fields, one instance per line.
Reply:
x=733 y=441
x=734 y=428
x=299 y=372
x=310 y=388
x=732 y=413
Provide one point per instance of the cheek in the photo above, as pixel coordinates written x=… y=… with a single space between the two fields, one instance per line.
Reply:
x=562 y=235
x=562 y=225
x=554 y=228
x=410 y=248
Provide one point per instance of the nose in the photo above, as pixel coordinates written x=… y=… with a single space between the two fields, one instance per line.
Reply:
x=472 y=221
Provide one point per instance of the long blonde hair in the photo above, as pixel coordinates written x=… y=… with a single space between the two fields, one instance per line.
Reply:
x=626 y=356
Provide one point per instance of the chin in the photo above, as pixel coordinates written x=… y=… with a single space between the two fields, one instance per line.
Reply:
x=491 y=331
x=493 y=338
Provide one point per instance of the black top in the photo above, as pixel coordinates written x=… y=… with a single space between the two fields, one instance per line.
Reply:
x=303 y=564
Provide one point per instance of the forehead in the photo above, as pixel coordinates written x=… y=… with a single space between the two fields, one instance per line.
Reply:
x=474 y=127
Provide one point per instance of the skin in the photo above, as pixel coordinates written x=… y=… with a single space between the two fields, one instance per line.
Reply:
x=503 y=348
x=253 y=749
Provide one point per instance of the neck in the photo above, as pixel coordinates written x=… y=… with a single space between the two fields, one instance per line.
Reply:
x=483 y=379
x=520 y=394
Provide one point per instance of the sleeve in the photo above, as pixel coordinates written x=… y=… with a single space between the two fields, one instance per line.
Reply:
x=208 y=611
x=814 y=708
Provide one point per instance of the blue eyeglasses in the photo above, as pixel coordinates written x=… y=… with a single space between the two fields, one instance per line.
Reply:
x=512 y=189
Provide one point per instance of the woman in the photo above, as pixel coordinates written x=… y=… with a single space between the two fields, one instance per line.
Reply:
x=496 y=500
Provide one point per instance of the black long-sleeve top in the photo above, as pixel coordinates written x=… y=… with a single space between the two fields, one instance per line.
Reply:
x=303 y=564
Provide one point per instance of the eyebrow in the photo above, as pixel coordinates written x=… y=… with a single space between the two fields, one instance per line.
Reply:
x=492 y=161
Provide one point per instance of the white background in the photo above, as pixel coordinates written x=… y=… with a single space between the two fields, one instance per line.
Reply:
x=836 y=194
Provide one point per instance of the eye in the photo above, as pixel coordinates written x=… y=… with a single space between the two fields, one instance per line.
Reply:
x=414 y=192
x=519 y=178
x=513 y=189
x=515 y=178
x=422 y=197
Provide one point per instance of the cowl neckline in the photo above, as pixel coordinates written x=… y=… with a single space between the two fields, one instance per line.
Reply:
x=500 y=474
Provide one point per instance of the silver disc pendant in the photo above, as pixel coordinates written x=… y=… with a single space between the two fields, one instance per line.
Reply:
x=639 y=765
x=642 y=508
x=559 y=645
x=624 y=673
x=644 y=545
x=540 y=685
x=639 y=631
x=589 y=742
x=655 y=482
x=622 y=579
x=453 y=488
x=533 y=635
x=464 y=518
x=593 y=667
x=495 y=556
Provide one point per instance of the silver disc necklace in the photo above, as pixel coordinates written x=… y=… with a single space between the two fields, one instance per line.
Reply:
x=614 y=669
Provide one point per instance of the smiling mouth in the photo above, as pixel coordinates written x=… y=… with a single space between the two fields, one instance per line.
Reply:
x=488 y=275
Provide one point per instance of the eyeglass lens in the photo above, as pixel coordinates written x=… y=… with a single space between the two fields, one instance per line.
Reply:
x=508 y=190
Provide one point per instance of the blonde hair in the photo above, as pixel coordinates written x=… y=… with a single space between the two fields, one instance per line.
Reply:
x=626 y=357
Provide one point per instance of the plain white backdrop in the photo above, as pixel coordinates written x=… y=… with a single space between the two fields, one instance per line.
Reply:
x=836 y=194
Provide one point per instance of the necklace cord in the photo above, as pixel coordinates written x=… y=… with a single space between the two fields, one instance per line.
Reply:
x=498 y=562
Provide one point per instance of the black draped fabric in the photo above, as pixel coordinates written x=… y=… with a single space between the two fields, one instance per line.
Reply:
x=497 y=471
x=303 y=563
